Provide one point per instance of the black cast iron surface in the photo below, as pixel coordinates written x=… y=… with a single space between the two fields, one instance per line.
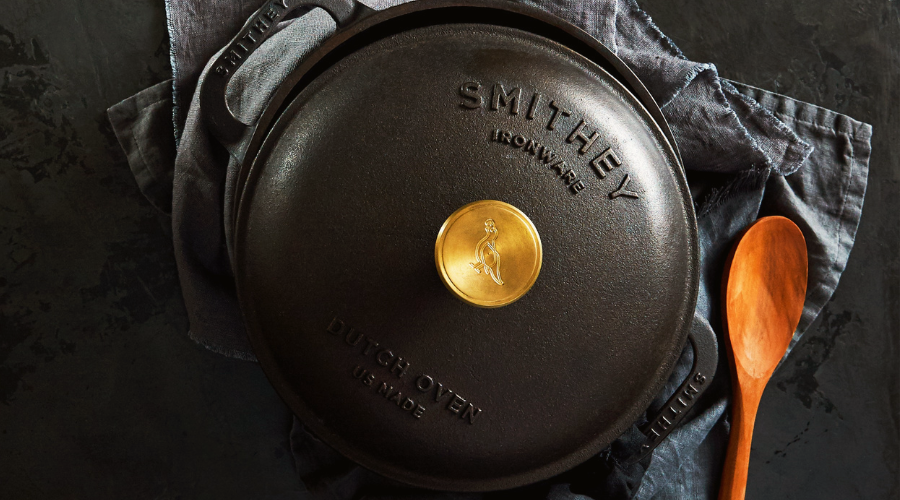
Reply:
x=103 y=396
x=550 y=379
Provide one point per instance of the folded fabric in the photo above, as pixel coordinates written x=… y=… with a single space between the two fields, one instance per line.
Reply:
x=747 y=153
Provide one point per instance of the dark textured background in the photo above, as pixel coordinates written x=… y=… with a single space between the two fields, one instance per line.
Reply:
x=102 y=395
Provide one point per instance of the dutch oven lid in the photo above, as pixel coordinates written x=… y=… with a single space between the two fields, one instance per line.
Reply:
x=464 y=120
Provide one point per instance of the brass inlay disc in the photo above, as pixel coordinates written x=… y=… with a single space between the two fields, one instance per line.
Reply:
x=488 y=253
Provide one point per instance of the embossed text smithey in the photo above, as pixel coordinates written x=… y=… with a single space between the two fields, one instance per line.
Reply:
x=256 y=30
x=495 y=97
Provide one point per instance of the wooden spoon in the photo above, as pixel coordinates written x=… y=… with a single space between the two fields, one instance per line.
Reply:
x=763 y=291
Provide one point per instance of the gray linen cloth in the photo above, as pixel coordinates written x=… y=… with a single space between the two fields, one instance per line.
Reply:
x=747 y=152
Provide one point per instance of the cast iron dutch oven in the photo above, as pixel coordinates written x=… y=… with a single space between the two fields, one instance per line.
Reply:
x=463 y=241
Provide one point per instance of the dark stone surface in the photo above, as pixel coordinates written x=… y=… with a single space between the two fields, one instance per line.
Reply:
x=102 y=395
x=828 y=424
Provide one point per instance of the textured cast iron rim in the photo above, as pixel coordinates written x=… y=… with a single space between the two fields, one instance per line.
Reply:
x=269 y=126
x=579 y=41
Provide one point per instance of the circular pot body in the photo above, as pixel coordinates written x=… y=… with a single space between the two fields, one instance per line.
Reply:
x=381 y=135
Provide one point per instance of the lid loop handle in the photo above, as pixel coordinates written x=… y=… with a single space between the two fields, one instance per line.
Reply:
x=706 y=357
x=256 y=30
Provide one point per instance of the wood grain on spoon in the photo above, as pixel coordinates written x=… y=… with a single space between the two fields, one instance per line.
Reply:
x=763 y=292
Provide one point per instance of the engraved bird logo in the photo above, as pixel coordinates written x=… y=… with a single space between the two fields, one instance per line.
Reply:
x=487 y=258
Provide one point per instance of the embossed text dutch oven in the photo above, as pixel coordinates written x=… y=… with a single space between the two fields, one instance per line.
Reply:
x=464 y=246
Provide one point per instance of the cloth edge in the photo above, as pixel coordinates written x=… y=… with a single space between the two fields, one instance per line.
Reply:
x=858 y=135
x=123 y=116
x=173 y=53
x=228 y=353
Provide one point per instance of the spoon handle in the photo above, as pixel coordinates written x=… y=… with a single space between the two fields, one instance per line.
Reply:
x=737 y=462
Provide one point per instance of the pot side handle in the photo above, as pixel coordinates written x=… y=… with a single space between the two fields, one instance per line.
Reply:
x=256 y=30
x=706 y=358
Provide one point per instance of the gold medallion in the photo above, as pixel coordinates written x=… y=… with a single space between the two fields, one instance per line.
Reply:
x=488 y=253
